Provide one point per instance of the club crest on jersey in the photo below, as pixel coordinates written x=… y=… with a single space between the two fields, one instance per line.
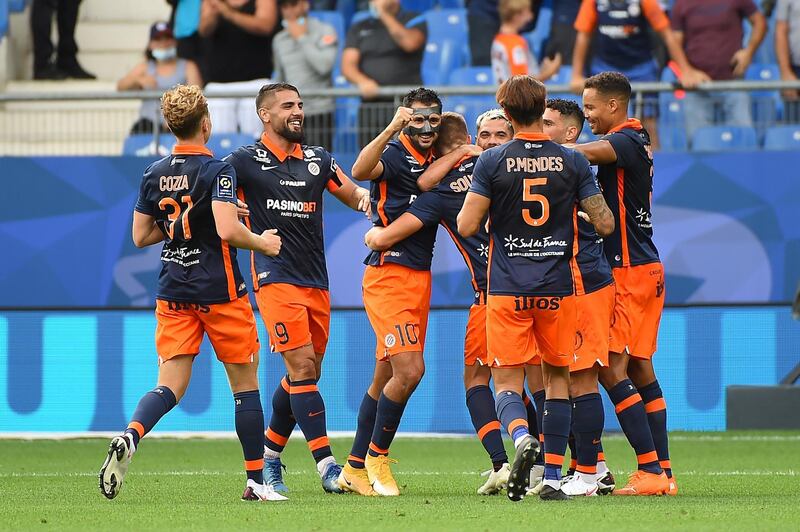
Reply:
x=225 y=186
x=313 y=168
x=389 y=340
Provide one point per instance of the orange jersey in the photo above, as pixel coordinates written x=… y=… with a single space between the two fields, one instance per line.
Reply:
x=511 y=56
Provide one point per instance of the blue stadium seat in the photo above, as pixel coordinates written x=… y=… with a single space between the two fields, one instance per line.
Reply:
x=472 y=76
x=452 y=4
x=447 y=47
x=767 y=105
x=345 y=135
x=17 y=6
x=335 y=19
x=358 y=16
x=470 y=107
x=141 y=145
x=223 y=144
x=782 y=138
x=672 y=137
x=536 y=38
x=347 y=8
x=420 y=6
x=3 y=18
x=562 y=77
x=724 y=138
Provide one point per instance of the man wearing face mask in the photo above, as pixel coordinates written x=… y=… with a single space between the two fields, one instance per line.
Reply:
x=161 y=70
x=396 y=288
x=383 y=50
x=304 y=54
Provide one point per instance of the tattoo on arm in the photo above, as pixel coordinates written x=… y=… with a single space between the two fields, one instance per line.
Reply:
x=597 y=209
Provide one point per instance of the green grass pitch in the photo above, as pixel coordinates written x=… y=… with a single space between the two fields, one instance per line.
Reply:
x=728 y=481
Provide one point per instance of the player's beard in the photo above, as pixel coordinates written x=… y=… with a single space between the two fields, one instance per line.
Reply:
x=292 y=136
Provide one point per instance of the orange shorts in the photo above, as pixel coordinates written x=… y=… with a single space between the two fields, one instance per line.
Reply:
x=295 y=316
x=475 y=351
x=594 y=322
x=397 y=300
x=520 y=327
x=231 y=328
x=637 y=309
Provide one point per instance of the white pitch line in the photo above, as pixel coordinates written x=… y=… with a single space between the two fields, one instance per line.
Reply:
x=789 y=473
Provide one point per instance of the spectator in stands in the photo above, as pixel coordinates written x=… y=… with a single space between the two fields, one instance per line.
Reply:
x=483 y=20
x=622 y=44
x=185 y=19
x=305 y=51
x=237 y=39
x=710 y=31
x=66 y=63
x=385 y=49
x=562 y=30
x=511 y=54
x=160 y=70
x=787 y=48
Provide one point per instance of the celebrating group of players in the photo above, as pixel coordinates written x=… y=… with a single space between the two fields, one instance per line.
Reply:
x=568 y=284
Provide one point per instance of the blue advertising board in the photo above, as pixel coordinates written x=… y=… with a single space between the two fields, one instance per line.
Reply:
x=725 y=224
x=82 y=371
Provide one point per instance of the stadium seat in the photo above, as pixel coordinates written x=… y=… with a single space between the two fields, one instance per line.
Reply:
x=537 y=38
x=782 y=138
x=345 y=135
x=142 y=145
x=767 y=104
x=335 y=19
x=672 y=137
x=472 y=76
x=3 y=18
x=358 y=16
x=470 y=107
x=562 y=77
x=223 y=144
x=447 y=47
x=420 y=6
x=724 y=138
x=346 y=8
x=16 y=6
x=452 y=4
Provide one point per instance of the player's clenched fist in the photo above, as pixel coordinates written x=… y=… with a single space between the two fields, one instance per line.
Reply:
x=401 y=118
x=271 y=242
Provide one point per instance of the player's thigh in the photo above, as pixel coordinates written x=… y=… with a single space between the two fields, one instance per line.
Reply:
x=509 y=331
x=584 y=381
x=231 y=329
x=508 y=379
x=179 y=330
x=396 y=300
x=555 y=320
x=475 y=350
x=285 y=314
x=476 y=375
x=533 y=374
x=594 y=313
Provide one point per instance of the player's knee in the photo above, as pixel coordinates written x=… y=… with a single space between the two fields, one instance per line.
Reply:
x=641 y=372
x=302 y=368
x=410 y=375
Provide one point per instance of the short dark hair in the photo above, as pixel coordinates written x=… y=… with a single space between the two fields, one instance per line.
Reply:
x=567 y=108
x=270 y=89
x=522 y=98
x=610 y=84
x=423 y=96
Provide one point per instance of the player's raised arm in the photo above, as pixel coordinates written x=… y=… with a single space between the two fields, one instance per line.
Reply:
x=368 y=165
x=599 y=214
x=343 y=189
x=383 y=238
x=145 y=230
x=431 y=177
x=472 y=214
x=598 y=151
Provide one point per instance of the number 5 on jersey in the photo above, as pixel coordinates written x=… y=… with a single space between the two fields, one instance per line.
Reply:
x=528 y=195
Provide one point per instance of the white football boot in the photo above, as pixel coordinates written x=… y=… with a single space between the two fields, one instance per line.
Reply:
x=496 y=482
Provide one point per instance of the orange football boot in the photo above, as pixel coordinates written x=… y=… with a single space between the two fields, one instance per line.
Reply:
x=644 y=483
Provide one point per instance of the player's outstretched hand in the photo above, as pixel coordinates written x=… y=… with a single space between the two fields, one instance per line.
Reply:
x=241 y=209
x=401 y=118
x=272 y=242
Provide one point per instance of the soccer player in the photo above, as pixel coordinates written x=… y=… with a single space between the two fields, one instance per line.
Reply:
x=625 y=172
x=594 y=288
x=529 y=188
x=396 y=288
x=285 y=180
x=450 y=177
x=188 y=200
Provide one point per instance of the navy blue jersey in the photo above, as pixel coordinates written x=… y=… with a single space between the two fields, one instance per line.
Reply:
x=391 y=194
x=284 y=192
x=628 y=186
x=442 y=205
x=533 y=184
x=197 y=266
x=593 y=271
x=621 y=39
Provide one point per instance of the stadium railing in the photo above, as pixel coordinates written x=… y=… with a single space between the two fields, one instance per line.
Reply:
x=98 y=123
